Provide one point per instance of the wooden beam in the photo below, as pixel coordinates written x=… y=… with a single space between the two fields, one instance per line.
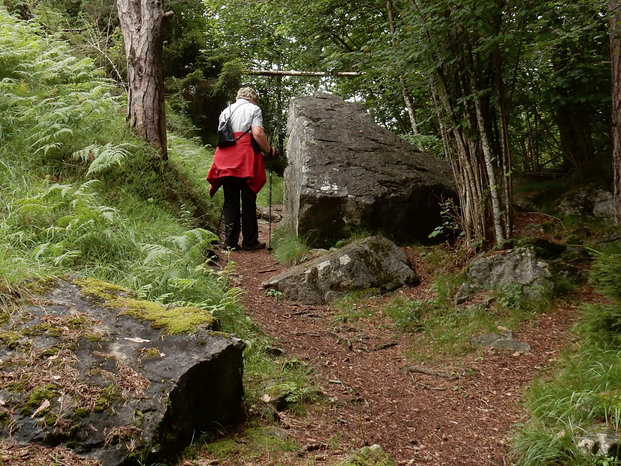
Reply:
x=349 y=74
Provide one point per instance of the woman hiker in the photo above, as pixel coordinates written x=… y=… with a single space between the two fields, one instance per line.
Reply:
x=239 y=169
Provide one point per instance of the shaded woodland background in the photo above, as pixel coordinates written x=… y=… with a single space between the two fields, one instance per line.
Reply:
x=498 y=88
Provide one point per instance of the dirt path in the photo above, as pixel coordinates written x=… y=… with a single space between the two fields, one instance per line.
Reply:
x=417 y=418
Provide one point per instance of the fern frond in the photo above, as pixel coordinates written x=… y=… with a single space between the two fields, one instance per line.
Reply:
x=191 y=238
x=156 y=253
x=102 y=158
x=49 y=139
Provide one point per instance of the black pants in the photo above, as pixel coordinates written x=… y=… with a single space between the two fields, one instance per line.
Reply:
x=236 y=189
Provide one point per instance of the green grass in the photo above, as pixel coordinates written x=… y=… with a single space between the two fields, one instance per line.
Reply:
x=288 y=247
x=263 y=198
x=354 y=307
x=405 y=313
x=255 y=445
x=585 y=389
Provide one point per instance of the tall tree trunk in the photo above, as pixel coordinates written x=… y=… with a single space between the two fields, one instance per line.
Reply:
x=407 y=99
x=615 y=60
x=141 y=23
x=503 y=111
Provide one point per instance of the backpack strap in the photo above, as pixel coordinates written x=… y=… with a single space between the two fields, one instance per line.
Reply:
x=229 y=117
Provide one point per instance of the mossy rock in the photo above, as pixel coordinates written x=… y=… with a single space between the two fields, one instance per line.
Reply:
x=173 y=321
x=132 y=369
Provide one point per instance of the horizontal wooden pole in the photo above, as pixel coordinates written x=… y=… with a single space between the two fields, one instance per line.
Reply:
x=349 y=74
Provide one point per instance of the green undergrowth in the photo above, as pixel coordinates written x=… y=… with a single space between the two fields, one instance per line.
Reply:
x=257 y=444
x=276 y=187
x=81 y=196
x=583 y=393
x=433 y=326
x=543 y=191
x=288 y=247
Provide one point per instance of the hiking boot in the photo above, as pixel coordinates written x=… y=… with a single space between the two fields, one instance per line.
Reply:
x=253 y=246
x=231 y=247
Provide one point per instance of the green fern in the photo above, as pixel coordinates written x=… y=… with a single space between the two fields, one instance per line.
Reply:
x=102 y=158
x=46 y=94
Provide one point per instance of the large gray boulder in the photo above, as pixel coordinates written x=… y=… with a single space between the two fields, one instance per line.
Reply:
x=112 y=377
x=371 y=263
x=345 y=171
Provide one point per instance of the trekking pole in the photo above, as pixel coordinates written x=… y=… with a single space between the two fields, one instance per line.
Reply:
x=219 y=233
x=269 y=210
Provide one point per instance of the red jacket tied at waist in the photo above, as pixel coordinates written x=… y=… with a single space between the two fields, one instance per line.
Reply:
x=240 y=161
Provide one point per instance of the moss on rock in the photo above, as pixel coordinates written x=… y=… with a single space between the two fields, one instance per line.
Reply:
x=173 y=321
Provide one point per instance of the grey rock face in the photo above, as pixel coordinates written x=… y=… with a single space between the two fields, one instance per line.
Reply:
x=601 y=441
x=586 y=201
x=373 y=262
x=344 y=171
x=111 y=386
x=520 y=267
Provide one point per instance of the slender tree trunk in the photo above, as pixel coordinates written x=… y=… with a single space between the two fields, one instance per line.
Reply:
x=407 y=99
x=409 y=106
x=486 y=146
x=462 y=156
x=615 y=60
x=503 y=108
x=141 y=23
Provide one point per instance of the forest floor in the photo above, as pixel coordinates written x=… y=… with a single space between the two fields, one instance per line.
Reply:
x=458 y=410
x=428 y=409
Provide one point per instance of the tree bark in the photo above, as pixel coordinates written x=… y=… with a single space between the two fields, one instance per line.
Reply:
x=615 y=65
x=141 y=23
x=404 y=90
x=494 y=186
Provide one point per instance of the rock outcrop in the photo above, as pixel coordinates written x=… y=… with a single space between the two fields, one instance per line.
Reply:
x=345 y=172
x=371 y=263
x=529 y=271
x=586 y=201
x=601 y=441
x=518 y=267
x=114 y=378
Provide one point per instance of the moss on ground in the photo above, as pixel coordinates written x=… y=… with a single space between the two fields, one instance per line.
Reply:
x=253 y=444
